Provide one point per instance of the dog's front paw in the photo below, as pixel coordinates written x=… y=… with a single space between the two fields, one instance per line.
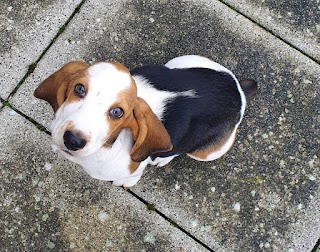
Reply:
x=126 y=182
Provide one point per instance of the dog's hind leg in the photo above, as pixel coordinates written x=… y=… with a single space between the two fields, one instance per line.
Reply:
x=215 y=150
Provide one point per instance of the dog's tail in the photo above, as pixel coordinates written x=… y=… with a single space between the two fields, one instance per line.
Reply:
x=249 y=88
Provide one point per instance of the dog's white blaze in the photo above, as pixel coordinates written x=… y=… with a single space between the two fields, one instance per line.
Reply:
x=105 y=83
x=106 y=78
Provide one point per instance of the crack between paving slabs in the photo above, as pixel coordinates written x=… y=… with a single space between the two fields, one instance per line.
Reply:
x=151 y=207
x=316 y=246
x=2 y=105
x=271 y=32
x=33 y=66
x=34 y=122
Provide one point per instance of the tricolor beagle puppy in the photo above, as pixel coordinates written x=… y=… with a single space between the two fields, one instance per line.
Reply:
x=114 y=122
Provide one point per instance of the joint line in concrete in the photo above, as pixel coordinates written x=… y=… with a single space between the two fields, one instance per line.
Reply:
x=271 y=32
x=34 y=122
x=316 y=246
x=151 y=207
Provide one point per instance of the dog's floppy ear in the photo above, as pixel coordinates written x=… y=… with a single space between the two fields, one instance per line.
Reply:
x=149 y=134
x=53 y=89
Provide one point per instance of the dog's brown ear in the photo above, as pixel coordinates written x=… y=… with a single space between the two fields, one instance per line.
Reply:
x=53 y=89
x=149 y=134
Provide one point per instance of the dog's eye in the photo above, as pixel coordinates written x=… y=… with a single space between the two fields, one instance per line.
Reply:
x=80 y=90
x=116 y=113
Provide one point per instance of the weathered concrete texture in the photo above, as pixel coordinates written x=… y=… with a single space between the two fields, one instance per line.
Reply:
x=24 y=157
x=295 y=21
x=46 y=207
x=310 y=222
x=26 y=29
x=258 y=196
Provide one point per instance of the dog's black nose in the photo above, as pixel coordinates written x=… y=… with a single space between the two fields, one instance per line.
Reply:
x=73 y=142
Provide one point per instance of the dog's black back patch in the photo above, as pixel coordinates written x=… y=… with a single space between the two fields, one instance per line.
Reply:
x=197 y=120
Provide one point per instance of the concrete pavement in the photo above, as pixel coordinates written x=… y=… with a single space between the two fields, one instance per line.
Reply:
x=262 y=196
x=296 y=22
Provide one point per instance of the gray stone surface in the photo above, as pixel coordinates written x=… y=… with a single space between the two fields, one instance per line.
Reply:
x=23 y=157
x=26 y=29
x=295 y=21
x=46 y=207
x=261 y=196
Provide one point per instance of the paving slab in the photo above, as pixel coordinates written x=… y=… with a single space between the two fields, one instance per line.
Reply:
x=23 y=159
x=45 y=207
x=261 y=196
x=26 y=29
x=297 y=22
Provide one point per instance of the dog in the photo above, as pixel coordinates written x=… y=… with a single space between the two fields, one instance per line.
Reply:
x=114 y=122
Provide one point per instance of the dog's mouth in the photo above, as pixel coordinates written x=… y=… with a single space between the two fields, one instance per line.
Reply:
x=68 y=152
x=63 y=150
x=109 y=142
x=76 y=154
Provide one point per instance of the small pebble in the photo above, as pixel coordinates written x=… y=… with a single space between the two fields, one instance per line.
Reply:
x=48 y=166
x=45 y=217
x=236 y=207
x=102 y=216
x=312 y=178
x=194 y=223
x=54 y=147
x=149 y=238
x=51 y=245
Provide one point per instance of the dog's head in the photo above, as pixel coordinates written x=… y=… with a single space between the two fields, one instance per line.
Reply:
x=92 y=104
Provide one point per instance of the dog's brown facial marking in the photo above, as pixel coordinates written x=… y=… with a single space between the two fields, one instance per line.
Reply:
x=54 y=89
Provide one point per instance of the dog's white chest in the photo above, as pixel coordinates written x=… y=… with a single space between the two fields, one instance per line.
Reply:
x=108 y=163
